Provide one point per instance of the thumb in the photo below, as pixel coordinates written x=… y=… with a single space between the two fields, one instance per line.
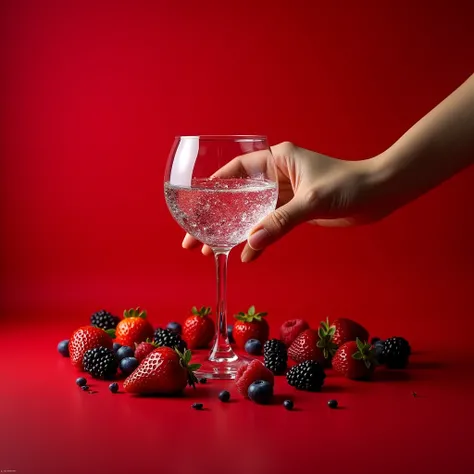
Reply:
x=277 y=224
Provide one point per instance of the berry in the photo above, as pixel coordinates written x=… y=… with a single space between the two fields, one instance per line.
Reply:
x=230 y=328
x=250 y=325
x=253 y=346
x=133 y=328
x=374 y=340
x=100 y=362
x=275 y=356
x=355 y=360
x=332 y=404
x=348 y=330
x=113 y=387
x=116 y=346
x=305 y=347
x=165 y=371
x=104 y=320
x=143 y=349
x=175 y=327
x=249 y=373
x=203 y=380
x=378 y=348
x=197 y=406
x=224 y=396
x=84 y=387
x=125 y=351
x=63 y=348
x=85 y=338
x=128 y=365
x=395 y=353
x=199 y=329
x=291 y=329
x=308 y=375
x=167 y=338
x=288 y=404
x=260 y=392
x=81 y=381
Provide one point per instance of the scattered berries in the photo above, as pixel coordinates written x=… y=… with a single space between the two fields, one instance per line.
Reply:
x=260 y=392
x=250 y=325
x=253 y=346
x=104 y=320
x=224 y=396
x=125 y=351
x=252 y=372
x=85 y=338
x=133 y=328
x=175 y=327
x=63 y=348
x=230 y=328
x=81 y=381
x=308 y=375
x=291 y=329
x=374 y=340
x=84 y=388
x=197 y=406
x=355 y=360
x=395 y=353
x=143 y=349
x=128 y=365
x=116 y=346
x=100 y=362
x=288 y=404
x=275 y=356
x=199 y=329
x=113 y=387
x=167 y=338
x=332 y=404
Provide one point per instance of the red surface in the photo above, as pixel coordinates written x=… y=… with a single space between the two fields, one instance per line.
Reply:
x=92 y=95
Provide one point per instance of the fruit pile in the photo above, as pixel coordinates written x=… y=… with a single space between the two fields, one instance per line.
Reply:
x=158 y=361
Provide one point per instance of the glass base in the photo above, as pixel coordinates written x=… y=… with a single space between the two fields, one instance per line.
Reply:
x=223 y=368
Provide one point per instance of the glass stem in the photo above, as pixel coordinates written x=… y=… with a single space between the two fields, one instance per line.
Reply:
x=221 y=351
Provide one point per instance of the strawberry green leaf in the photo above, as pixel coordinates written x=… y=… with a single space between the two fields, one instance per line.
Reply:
x=321 y=333
x=187 y=356
x=360 y=344
x=367 y=363
x=194 y=367
x=332 y=331
x=251 y=311
x=111 y=333
x=357 y=356
x=143 y=314
x=320 y=344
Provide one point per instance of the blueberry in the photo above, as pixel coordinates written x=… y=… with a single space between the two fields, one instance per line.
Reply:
x=288 y=404
x=332 y=403
x=374 y=340
x=203 y=380
x=113 y=387
x=128 y=365
x=125 y=351
x=81 y=381
x=84 y=387
x=63 y=348
x=229 y=333
x=174 y=327
x=379 y=346
x=253 y=346
x=117 y=346
x=224 y=396
x=260 y=392
x=197 y=406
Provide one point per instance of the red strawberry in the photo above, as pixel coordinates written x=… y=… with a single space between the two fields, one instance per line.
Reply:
x=85 y=338
x=199 y=329
x=305 y=347
x=143 y=349
x=164 y=371
x=133 y=328
x=249 y=373
x=348 y=330
x=290 y=330
x=355 y=360
x=250 y=325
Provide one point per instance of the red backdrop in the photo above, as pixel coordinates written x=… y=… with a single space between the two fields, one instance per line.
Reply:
x=92 y=94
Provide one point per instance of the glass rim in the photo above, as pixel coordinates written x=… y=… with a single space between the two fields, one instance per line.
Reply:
x=236 y=138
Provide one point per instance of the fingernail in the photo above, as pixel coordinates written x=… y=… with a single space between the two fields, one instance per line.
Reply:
x=259 y=240
x=245 y=257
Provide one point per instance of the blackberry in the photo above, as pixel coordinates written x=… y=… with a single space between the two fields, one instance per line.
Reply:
x=395 y=353
x=167 y=338
x=275 y=356
x=104 y=320
x=100 y=362
x=308 y=375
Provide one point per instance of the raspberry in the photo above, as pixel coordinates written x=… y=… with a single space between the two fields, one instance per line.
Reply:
x=291 y=329
x=247 y=374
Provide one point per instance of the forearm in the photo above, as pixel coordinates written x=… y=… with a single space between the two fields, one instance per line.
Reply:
x=438 y=146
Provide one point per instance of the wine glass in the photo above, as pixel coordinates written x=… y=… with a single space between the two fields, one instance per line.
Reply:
x=217 y=189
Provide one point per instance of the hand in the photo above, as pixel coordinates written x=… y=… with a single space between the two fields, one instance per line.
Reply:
x=313 y=188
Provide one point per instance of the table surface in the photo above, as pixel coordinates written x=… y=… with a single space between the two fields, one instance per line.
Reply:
x=49 y=425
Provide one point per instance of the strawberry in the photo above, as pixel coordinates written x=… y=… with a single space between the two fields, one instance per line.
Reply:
x=249 y=373
x=250 y=325
x=348 y=330
x=199 y=329
x=305 y=347
x=290 y=330
x=133 y=328
x=164 y=371
x=355 y=360
x=85 y=338
x=143 y=349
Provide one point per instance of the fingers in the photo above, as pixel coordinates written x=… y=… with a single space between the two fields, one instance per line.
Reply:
x=249 y=254
x=189 y=242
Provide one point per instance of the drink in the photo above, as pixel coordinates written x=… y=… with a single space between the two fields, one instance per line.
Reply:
x=221 y=212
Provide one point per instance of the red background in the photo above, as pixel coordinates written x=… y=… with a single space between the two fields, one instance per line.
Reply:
x=92 y=95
